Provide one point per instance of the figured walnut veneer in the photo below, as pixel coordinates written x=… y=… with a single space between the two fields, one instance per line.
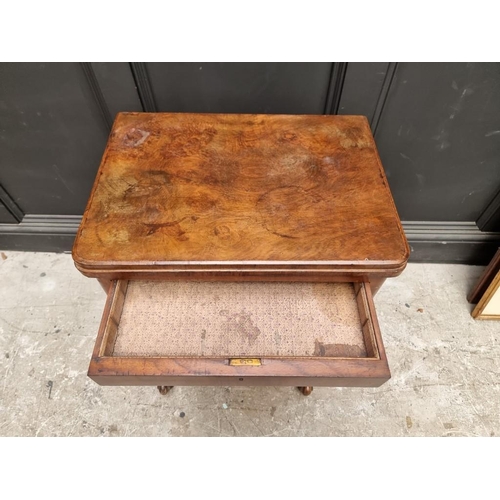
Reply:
x=256 y=190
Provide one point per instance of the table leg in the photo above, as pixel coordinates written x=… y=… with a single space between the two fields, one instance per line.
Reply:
x=375 y=284
x=305 y=390
x=164 y=389
x=105 y=284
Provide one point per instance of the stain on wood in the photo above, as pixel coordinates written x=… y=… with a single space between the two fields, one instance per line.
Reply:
x=183 y=188
x=338 y=350
x=240 y=324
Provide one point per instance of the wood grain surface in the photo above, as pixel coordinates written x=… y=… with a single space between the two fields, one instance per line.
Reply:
x=211 y=189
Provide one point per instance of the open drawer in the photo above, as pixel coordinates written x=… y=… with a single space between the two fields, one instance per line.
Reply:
x=239 y=333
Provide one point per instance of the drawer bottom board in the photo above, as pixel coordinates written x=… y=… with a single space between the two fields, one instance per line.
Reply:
x=199 y=319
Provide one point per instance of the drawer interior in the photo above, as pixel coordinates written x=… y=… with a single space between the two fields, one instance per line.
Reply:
x=169 y=319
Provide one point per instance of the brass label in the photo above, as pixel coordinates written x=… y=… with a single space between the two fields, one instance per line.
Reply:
x=245 y=362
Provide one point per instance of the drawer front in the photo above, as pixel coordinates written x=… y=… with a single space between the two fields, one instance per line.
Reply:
x=239 y=333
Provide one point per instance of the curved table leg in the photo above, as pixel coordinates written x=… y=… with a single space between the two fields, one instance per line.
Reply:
x=164 y=389
x=305 y=390
x=375 y=284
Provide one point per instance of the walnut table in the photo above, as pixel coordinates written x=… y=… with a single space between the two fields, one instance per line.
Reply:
x=240 y=250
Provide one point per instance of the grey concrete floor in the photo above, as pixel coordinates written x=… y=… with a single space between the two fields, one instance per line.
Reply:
x=445 y=368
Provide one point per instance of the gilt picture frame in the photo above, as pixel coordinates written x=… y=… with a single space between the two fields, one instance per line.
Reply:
x=489 y=305
x=485 y=280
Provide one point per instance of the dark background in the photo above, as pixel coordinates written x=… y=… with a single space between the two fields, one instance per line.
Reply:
x=437 y=127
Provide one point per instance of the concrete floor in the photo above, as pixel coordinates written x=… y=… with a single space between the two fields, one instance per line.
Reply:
x=445 y=368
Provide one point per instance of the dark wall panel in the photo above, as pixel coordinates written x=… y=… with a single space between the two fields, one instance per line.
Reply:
x=489 y=220
x=299 y=88
x=439 y=139
x=52 y=135
x=362 y=87
x=6 y=216
x=116 y=83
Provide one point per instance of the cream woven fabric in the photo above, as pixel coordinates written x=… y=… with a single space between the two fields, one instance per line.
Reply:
x=235 y=319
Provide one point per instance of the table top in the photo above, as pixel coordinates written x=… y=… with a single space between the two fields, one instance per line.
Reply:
x=179 y=189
